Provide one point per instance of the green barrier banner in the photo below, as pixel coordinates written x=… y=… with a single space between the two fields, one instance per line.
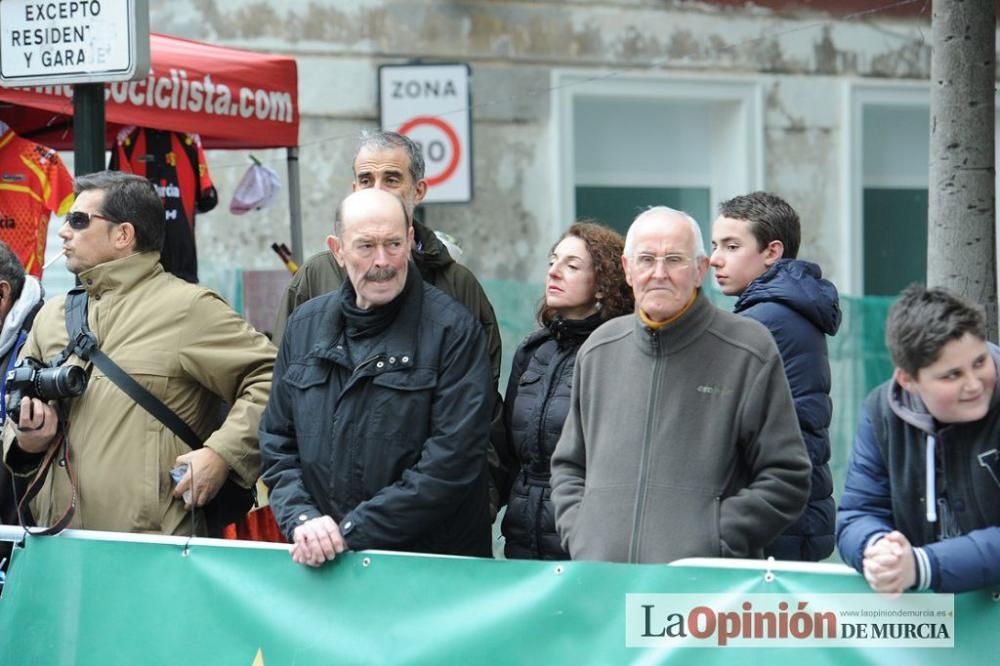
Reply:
x=161 y=600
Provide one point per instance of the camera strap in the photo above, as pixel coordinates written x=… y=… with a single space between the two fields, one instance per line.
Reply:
x=83 y=343
x=38 y=480
x=232 y=502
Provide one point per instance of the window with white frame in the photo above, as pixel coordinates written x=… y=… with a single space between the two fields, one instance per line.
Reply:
x=629 y=142
x=894 y=196
x=888 y=127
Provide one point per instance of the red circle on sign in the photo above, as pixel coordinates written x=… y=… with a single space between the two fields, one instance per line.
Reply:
x=452 y=137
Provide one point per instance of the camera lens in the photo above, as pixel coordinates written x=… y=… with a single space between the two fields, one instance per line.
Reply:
x=62 y=382
x=73 y=381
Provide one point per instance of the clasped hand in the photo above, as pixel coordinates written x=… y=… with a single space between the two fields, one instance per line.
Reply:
x=317 y=541
x=889 y=565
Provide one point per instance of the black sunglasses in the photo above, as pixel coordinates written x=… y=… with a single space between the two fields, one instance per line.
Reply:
x=79 y=220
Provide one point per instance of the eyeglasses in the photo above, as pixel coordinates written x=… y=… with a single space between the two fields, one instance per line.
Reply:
x=646 y=263
x=80 y=220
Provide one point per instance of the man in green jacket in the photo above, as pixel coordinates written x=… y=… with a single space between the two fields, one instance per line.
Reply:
x=681 y=438
x=181 y=342
x=393 y=162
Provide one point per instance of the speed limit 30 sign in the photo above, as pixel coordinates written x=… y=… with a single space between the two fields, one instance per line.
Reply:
x=431 y=104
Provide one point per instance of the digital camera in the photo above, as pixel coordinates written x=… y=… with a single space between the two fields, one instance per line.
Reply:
x=31 y=378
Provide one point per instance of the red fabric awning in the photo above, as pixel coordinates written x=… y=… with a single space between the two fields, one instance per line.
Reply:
x=231 y=97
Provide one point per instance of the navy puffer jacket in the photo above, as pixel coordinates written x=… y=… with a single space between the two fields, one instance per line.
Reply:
x=535 y=409
x=800 y=309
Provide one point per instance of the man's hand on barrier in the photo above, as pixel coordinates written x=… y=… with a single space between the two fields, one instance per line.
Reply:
x=317 y=541
x=210 y=472
x=889 y=565
x=37 y=425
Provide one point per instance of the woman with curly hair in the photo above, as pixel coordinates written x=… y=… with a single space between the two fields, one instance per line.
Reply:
x=585 y=287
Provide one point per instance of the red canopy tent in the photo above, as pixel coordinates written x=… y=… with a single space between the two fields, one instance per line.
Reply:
x=231 y=97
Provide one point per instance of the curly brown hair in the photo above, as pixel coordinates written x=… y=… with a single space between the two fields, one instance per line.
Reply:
x=605 y=247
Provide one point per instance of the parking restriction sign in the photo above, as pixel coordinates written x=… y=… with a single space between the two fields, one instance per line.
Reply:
x=431 y=104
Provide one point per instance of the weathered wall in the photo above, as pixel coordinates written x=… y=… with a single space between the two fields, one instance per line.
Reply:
x=513 y=48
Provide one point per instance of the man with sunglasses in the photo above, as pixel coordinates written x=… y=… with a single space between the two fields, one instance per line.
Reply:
x=181 y=342
x=681 y=439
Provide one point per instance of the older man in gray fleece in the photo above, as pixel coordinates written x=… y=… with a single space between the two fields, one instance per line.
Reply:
x=681 y=439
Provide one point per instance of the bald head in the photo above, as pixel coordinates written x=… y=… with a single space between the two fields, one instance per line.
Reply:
x=369 y=202
x=372 y=242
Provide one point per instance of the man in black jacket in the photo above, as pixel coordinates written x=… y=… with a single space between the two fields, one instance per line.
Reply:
x=392 y=162
x=376 y=429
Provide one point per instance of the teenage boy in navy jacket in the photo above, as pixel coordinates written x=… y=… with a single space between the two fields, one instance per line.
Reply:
x=754 y=244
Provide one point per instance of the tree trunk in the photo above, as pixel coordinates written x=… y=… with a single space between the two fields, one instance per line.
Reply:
x=961 y=227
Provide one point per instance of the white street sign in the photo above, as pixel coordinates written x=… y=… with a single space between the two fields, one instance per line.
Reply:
x=73 y=41
x=431 y=105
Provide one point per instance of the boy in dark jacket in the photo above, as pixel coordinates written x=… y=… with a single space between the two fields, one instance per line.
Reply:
x=754 y=244
x=921 y=504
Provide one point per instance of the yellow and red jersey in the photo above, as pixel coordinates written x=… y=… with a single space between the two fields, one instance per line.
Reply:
x=33 y=183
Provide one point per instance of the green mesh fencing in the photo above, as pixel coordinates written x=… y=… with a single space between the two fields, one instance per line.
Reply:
x=859 y=360
x=515 y=304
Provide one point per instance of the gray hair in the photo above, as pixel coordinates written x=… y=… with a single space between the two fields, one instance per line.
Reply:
x=384 y=140
x=11 y=270
x=698 y=251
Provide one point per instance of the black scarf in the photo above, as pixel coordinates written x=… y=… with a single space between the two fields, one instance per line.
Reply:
x=572 y=332
x=373 y=321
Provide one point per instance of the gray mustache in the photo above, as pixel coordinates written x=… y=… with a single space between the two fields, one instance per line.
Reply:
x=381 y=274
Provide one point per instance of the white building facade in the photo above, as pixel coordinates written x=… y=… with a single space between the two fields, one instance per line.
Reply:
x=598 y=108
